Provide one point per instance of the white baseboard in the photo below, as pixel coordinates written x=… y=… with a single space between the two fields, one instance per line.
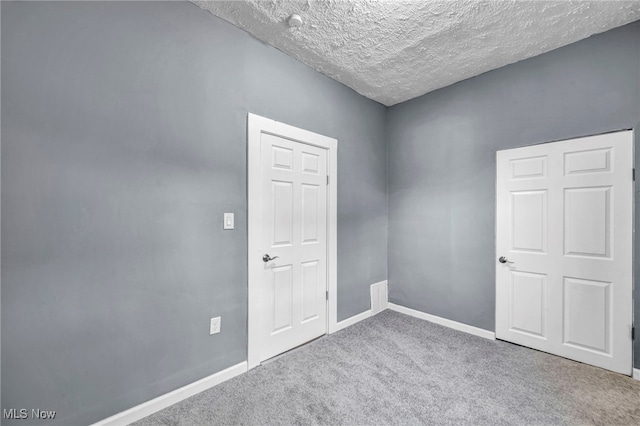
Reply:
x=636 y=373
x=354 y=319
x=163 y=401
x=443 y=321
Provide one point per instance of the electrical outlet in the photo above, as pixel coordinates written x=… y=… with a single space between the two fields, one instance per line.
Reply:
x=214 y=326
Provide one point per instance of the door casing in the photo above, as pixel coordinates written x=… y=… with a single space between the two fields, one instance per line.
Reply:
x=256 y=126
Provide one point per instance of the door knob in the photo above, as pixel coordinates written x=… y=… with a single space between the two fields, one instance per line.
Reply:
x=504 y=260
x=266 y=258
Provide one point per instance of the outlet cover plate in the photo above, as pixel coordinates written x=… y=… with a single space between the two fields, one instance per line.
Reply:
x=214 y=326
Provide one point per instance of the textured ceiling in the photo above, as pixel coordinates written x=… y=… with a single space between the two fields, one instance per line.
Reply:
x=391 y=51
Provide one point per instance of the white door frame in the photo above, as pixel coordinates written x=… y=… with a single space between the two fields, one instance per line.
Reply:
x=256 y=125
x=498 y=253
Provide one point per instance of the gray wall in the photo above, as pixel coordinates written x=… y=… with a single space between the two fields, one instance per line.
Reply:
x=124 y=141
x=442 y=164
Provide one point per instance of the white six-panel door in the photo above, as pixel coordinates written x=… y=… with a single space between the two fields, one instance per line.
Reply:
x=294 y=208
x=564 y=230
x=292 y=237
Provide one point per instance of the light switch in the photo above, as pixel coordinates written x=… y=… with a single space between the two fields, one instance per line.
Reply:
x=229 y=221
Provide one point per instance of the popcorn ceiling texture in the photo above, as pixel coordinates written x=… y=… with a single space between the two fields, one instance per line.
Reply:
x=393 y=51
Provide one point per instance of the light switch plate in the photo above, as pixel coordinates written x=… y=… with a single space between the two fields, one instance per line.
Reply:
x=229 y=221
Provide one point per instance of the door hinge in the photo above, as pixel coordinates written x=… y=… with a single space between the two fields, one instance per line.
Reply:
x=634 y=174
x=633 y=333
x=327 y=179
x=327 y=295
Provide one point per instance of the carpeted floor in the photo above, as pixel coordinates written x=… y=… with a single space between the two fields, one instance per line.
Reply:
x=393 y=369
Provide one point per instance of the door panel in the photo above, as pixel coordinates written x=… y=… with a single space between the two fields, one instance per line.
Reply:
x=527 y=307
x=310 y=203
x=587 y=222
x=282 y=213
x=591 y=161
x=564 y=222
x=310 y=290
x=281 y=307
x=529 y=225
x=528 y=168
x=587 y=314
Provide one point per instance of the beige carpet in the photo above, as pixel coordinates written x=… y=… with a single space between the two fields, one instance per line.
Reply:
x=397 y=370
